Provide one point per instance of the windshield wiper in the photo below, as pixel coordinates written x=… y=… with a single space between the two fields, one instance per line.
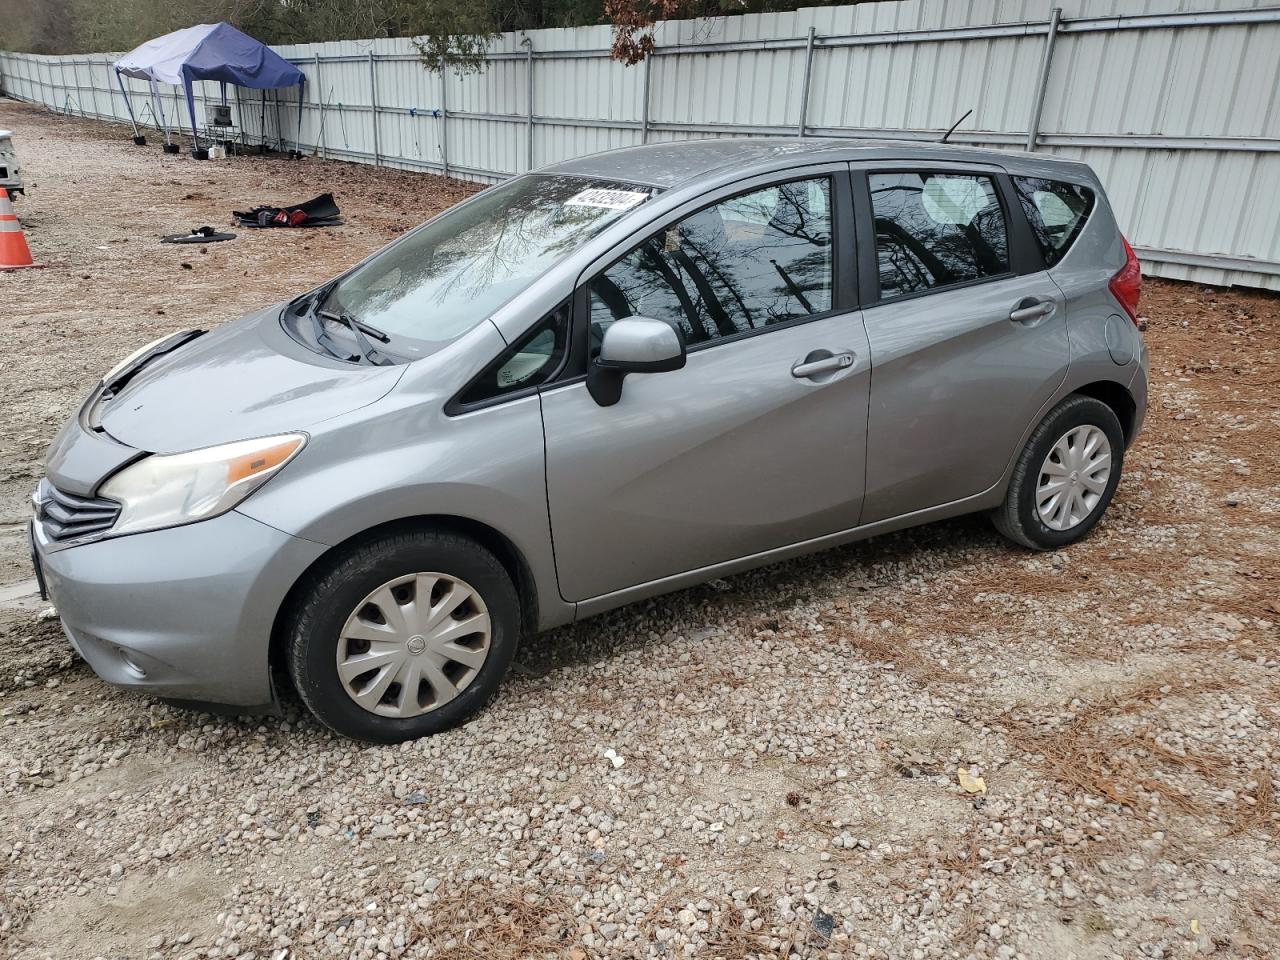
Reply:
x=327 y=342
x=345 y=317
x=358 y=330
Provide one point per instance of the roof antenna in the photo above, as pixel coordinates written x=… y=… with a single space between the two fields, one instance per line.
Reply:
x=946 y=135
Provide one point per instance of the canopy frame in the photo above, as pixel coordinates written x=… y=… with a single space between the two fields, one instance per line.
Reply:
x=208 y=52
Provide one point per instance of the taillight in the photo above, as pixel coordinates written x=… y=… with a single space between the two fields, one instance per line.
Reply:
x=1126 y=286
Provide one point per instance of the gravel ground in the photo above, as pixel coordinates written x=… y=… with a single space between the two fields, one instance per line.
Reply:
x=780 y=764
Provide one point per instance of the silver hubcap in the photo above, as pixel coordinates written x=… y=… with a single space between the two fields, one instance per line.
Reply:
x=413 y=644
x=1073 y=477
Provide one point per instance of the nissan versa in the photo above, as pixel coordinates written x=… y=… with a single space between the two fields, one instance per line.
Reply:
x=611 y=378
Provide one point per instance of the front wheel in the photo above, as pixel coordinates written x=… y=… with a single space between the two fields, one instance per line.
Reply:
x=404 y=636
x=1065 y=476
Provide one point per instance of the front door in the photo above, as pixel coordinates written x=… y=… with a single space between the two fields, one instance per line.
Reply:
x=758 y=442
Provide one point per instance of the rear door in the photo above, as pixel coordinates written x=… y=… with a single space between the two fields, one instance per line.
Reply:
x=967 y=332
x=746 y=448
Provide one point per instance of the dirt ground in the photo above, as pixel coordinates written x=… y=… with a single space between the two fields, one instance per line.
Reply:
x=791 y=737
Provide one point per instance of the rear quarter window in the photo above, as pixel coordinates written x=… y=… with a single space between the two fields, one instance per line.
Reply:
x=1056 y=211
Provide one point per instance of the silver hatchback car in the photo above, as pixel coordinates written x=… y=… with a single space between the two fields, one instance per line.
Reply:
x=612 y=378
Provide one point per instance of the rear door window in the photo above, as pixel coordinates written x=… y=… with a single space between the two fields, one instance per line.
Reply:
x=936 y=230
x=1056 y=211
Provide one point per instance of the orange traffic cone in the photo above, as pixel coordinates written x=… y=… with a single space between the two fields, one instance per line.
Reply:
x=14 y=254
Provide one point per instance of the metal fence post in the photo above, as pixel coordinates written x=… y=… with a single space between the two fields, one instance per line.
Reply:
x=444 y=118
x=373 y=101
x=1037 y=108
x=324 y=149
x=93 y=87
x=75 y=78
x=111 y=93
x=529 y=69
x=804 y=89
x=644 y=99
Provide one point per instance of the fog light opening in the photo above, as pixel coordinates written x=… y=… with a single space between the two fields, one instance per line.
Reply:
x=132 y=665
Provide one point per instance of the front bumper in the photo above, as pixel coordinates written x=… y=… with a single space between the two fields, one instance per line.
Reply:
x=185 y=612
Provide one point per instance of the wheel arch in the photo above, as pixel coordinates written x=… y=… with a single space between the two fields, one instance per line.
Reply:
x=1116 y=396
x=1111 y=392
x=497 y=543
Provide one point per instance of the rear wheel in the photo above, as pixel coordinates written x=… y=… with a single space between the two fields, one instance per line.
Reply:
x=1065 y=476
x=404 y=636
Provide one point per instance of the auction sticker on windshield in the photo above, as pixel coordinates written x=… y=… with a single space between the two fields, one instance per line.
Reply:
x=606 y=199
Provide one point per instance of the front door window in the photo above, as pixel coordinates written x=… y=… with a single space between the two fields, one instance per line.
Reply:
x=746 y=263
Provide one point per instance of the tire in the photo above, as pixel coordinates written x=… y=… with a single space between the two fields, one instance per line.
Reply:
x=349 y=610
x=1020 y=518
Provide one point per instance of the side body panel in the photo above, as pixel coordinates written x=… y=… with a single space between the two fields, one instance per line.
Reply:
x=410 y=460
x=1079 y=329
x=727 y=457
x=954 y=384
x=955 y=379
x=1105 y=344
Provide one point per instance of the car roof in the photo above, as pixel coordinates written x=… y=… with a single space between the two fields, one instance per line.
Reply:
x=682 y=162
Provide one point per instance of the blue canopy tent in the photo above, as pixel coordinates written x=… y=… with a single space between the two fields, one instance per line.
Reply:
x=208 y=51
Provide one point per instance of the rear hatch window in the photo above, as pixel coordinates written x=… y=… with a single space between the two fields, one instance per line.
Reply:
x=1057 y=213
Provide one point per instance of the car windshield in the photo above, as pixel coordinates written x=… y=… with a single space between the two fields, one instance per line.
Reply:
x=442 y=279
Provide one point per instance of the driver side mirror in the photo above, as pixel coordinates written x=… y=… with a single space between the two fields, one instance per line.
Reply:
x=633 y=345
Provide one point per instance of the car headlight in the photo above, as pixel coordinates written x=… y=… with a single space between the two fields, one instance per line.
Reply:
x=165 y=490
x=134 y=356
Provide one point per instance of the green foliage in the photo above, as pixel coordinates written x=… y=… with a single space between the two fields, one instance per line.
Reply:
x=447 y=33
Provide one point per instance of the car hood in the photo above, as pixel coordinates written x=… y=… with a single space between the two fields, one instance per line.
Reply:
x=245 y=379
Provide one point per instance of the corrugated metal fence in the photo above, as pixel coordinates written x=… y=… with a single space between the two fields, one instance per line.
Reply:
x=1174 y=106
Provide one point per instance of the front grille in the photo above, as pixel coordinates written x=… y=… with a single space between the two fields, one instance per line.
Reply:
x=66 y=517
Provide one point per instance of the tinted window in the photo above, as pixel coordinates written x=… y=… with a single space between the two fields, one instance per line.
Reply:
x=936 y=229
x=439 y=281
x=529 y=362
x=1056 y=211
x=754 y=260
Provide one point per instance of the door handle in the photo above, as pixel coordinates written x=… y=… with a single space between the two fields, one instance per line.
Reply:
x=829 y=364
x=1032 y=309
